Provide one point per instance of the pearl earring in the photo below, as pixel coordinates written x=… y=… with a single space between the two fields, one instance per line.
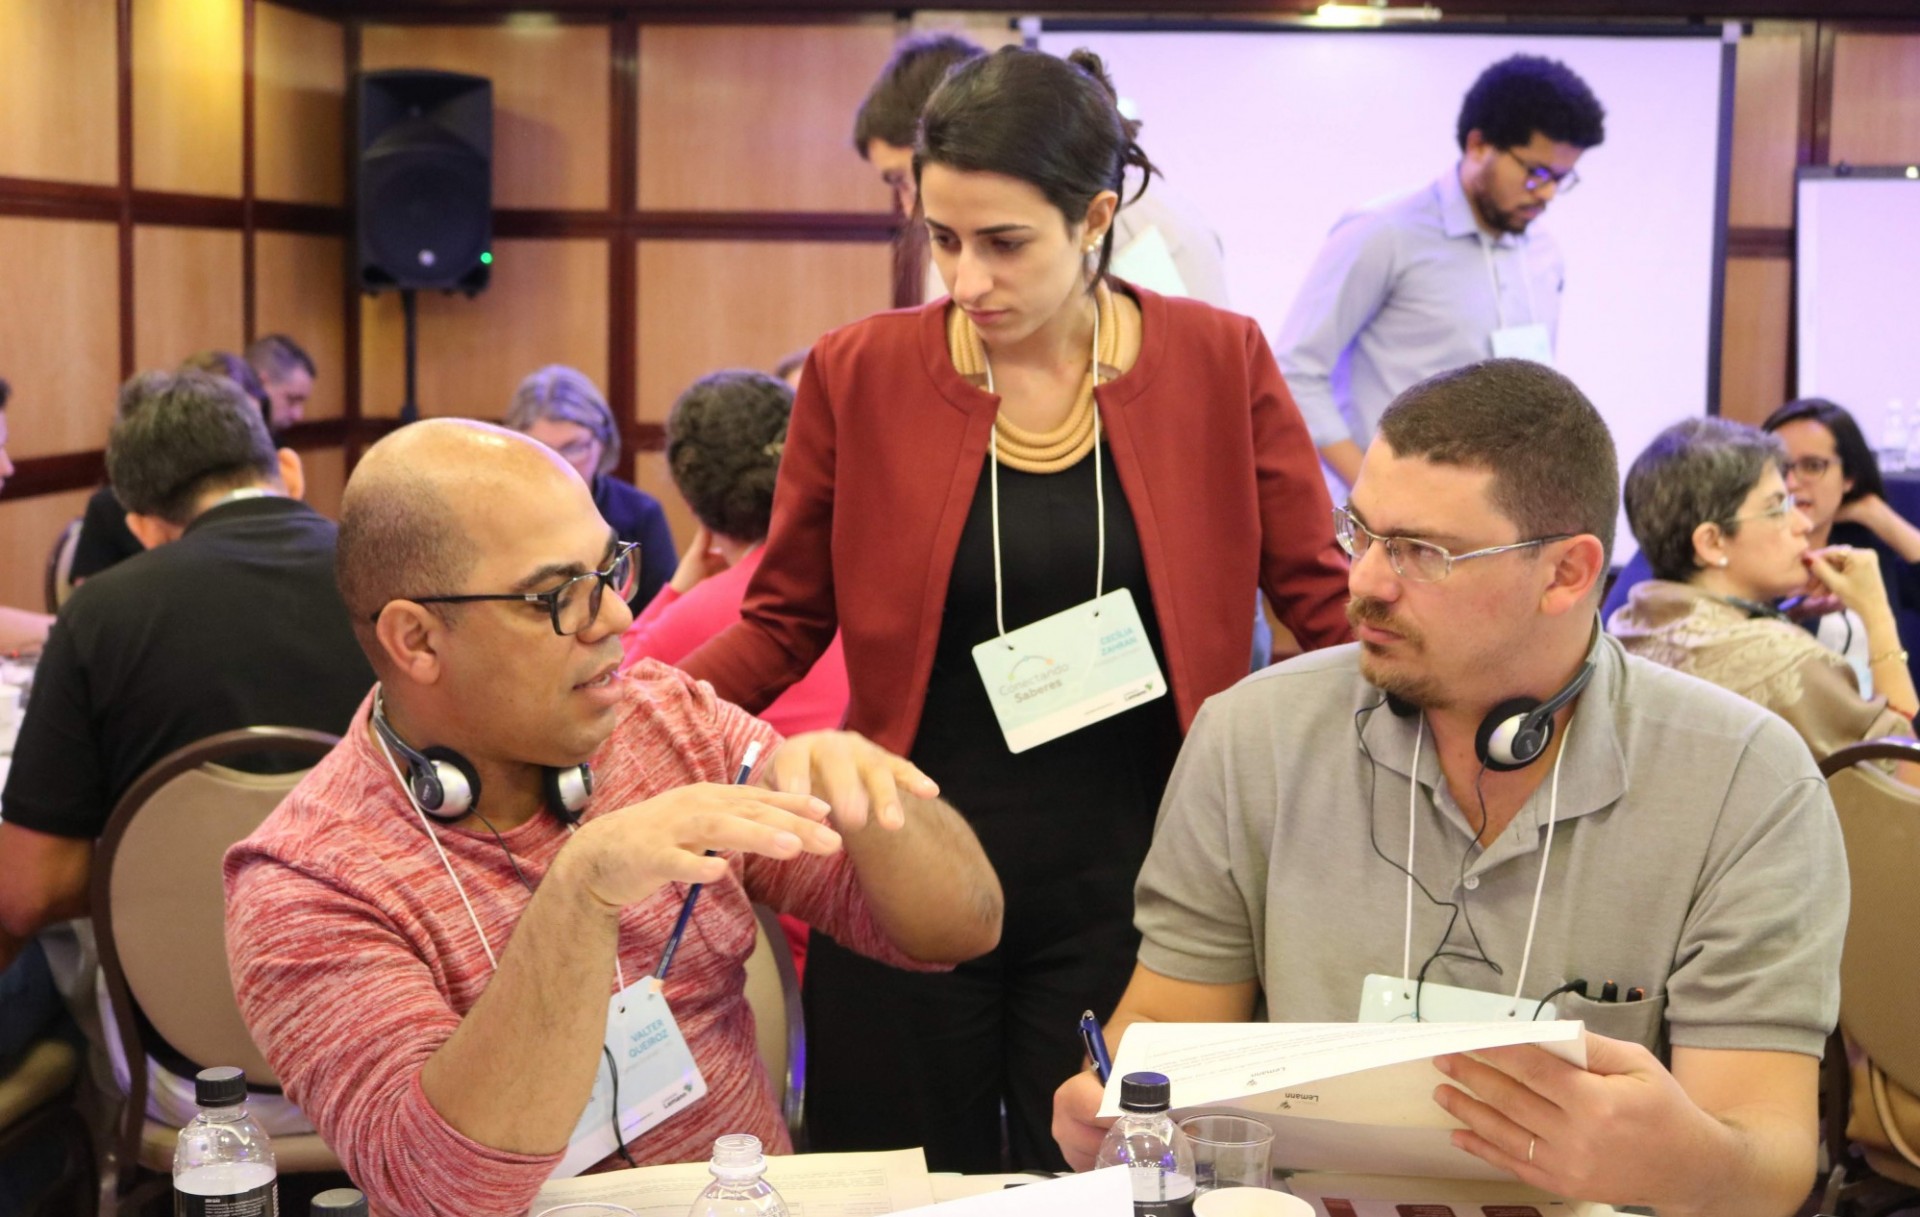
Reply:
x=1722 y=562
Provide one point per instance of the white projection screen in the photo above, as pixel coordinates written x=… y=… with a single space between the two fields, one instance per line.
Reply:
x=1275 y=131
x=1857 y=290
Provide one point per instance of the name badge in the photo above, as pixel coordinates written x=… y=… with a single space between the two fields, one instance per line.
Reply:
x=1390 y=999
x=658 y=1078
x=1524 y=342
x=1070 y=670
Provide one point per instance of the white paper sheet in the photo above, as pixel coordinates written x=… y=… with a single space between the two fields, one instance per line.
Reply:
x=1102 y=1193
x=1349 y=1097
x=813 y=1185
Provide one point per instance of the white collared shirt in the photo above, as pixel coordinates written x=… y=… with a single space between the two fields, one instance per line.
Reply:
x=1404 y=289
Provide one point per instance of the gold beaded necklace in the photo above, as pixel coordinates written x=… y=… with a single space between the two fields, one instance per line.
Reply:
x=1039 y=451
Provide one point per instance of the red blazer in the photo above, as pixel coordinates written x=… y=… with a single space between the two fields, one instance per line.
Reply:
x=885 y=449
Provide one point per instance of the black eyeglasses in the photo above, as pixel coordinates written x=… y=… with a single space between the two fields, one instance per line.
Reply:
x=1539 y=176
x=571 y=607
x=1811 y=468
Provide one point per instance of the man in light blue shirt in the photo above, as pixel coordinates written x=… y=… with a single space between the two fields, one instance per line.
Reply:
x=1448 y=274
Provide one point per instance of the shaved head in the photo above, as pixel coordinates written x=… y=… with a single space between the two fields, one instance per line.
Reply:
x=421 y=506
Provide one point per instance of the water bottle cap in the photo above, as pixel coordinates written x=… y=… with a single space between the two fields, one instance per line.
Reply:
x=737 y=1155
x=221 y=1086
x=1145 y=1092
x=339 y=1202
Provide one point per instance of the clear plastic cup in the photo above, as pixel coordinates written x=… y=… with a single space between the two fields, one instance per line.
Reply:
x=1229 y=1151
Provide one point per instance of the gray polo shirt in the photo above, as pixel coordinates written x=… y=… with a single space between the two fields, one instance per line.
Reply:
x=1402 y=290
x=1695 y=854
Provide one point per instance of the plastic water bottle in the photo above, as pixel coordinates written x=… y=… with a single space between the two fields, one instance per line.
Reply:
x=1151 y=1146
x=739 y=1187
x=339 y=1202
x=223 y=1163
x=1894 y=438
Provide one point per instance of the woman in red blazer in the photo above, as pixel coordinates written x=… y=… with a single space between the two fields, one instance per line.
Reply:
x=1137 y=443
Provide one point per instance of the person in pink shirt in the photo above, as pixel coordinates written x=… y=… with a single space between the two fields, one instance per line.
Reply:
x=724 y=437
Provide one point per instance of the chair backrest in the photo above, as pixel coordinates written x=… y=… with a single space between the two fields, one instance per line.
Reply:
x=158 y=903
x=1879 y=969
x=773 y=992
x=59 y=583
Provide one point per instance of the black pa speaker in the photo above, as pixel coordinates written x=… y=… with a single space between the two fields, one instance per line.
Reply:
x=424 y=214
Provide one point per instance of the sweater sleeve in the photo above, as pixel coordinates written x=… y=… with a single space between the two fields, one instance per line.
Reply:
x=351 y=1052
x=1301 y=568
x=789 y=616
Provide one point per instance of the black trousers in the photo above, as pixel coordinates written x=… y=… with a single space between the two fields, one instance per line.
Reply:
x=897 y=1059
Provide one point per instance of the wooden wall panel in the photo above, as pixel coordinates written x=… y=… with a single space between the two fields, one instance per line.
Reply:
x=186 y=294
x=706 y=305
x=27 y=530
x=547 y=304
x=1766 y=131
x=298 y=284
x=188 y=79
x=551 y=97
x=757 y=118
x=1876 y=99
x=300 y=88
x=59 y=91
x=326 y=470
x=1753 y=354
x=59 y=333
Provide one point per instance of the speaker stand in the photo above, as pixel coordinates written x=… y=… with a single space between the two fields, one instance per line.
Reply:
x=410 y=408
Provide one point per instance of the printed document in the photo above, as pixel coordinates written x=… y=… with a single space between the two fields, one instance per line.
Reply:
x=813 y=1185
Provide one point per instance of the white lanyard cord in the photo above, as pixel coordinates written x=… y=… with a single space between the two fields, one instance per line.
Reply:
x=1539 y=883
x=1099 y=490
x=1526 y=279
x=493 y=961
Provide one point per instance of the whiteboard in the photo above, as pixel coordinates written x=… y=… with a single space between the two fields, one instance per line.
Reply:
x=1276 y=131
x=1857 y=299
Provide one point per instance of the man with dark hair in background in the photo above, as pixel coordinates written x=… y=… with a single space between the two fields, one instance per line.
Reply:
x=287 y=372
x=232 y=620
x=1448 y=274
x=1688 y=849
x=1150 y=233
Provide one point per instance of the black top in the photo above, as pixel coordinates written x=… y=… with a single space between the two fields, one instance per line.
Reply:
x=1070 y=818
x=236 y=624
x=1902 y=581
x=105 y=540
x=635 y=515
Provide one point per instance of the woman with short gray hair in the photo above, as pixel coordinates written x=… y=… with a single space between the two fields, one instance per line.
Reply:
x=563 y=409
x=1709 y=506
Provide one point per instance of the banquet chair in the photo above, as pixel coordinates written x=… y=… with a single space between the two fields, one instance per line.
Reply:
x=37 y=1113
x=59 y=584
x=158 y=912
x=1870 y=1092
x=773 y=992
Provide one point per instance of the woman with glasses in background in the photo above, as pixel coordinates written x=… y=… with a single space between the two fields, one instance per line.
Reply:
x=1711 y=510
x=561 y=407
x=1834 y=478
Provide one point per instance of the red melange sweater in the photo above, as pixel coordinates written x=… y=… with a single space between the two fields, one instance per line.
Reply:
x=354 y=960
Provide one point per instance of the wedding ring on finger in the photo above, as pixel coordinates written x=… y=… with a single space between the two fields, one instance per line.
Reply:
x=1531 y=1142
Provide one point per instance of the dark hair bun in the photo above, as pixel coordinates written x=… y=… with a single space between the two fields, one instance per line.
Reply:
x=1093 y=66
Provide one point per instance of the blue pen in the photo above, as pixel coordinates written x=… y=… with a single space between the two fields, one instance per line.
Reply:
x=1096 y=1042
x=693 y=893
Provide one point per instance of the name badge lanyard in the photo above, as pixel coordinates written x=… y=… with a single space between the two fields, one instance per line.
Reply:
x=1539 y=883
x=493 y=962
x=1526 y=279
x=1099 y=490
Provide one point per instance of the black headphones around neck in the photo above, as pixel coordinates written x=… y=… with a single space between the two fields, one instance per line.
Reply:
x=1516 y=732
x=446 y=786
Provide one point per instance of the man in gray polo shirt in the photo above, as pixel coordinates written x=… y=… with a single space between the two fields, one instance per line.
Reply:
x=1448 y=274
x=1686 y=842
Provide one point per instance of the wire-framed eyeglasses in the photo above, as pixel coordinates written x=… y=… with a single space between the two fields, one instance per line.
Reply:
x=575 y=604
x=1539 y=177
x=1419 y=561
